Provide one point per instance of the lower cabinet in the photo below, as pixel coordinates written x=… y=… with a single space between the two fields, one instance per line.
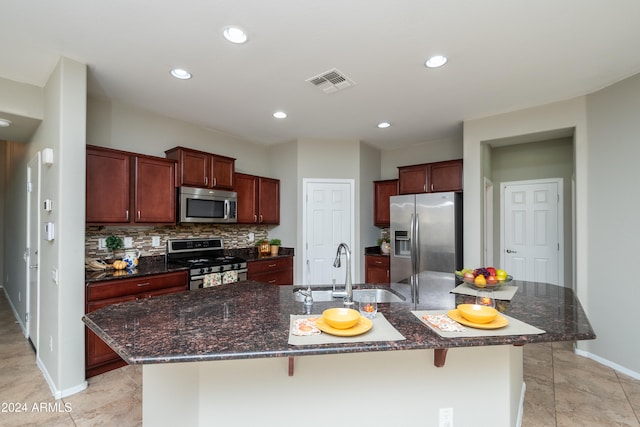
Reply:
x=277 y=271
x=99 y=357
x=377 y=269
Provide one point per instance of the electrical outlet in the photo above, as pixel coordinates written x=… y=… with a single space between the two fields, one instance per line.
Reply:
x=50 y=343
x=251 y=237
x=54 y=275
x=19 y=296
x=446 y=417
x=128 y=242
x=102 y=243
x=155 y=240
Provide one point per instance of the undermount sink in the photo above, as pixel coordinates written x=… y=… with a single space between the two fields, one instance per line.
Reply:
x=324 y=295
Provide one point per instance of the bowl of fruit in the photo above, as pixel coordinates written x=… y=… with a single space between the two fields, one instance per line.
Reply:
x=484 y=277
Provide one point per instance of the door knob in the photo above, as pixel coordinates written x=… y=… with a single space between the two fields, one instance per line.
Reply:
x=509 y=251
x=33 y=267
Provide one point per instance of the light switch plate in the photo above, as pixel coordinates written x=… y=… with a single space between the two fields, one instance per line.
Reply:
x=128 y=242
x=155 y=240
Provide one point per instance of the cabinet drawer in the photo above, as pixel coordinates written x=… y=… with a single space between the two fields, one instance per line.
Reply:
x=281 y=277
x=377 y=261
x=263 y=266
x=136 y=285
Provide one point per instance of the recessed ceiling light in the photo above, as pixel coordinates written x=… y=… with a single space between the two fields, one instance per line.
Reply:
x=235 y=34
x=280 y=115
x=181 y=74
x=384 y=125
x=436 y=61
x=4 y=123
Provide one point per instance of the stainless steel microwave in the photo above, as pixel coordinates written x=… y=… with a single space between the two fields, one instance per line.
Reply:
x=205 y=205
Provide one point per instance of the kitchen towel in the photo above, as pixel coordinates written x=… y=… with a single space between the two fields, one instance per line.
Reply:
x=505 y=292
x=211 y=279
x=382 y=330
x=515 y=327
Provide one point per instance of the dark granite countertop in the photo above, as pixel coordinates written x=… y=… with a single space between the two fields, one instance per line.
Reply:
x=251 y=320
x=157 y=265
x=374 y=251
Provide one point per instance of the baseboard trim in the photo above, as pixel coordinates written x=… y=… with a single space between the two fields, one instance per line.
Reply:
x=521 y=405
x=610 y=364
x=58 y=394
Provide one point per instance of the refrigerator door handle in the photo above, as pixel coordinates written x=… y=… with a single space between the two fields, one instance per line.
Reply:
x=412 y=243
x=416 y=240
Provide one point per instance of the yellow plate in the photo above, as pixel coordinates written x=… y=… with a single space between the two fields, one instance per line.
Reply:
x=498 y=322
x=361 y=327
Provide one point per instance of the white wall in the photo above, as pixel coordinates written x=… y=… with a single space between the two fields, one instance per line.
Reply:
x=125 y=127
x=424 y=152
x=614 y=227
x=536 y=160
x=369 y=171
x=605 y=154
x=62 y=304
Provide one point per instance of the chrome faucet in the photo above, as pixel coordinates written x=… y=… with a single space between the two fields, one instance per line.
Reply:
x=348 y=286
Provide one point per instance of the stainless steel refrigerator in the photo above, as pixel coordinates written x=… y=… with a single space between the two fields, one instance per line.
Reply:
x=426 y=240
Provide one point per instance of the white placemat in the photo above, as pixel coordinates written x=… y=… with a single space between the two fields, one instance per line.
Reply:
x=505 y=292
x=515 y=327
x=381 y=330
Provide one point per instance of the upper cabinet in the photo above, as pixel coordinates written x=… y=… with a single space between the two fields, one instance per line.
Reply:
x=430 y=177
x=382 y=191
x=199 y=169
x=258 y=199
x=129 y=188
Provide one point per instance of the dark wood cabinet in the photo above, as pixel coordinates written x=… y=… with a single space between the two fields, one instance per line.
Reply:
x=430 y=177
x=200 y=169
x=99 y=357
x=382 y=191
x=154 y=191
x=129 y=188
x=107 y=186
x=258 y=199
x=377 y=269
x=277 y=271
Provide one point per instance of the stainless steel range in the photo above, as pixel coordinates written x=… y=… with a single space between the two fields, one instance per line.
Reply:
x=208 y=265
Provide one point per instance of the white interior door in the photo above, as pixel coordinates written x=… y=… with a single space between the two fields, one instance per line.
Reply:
x=532 y=239
x=32 y=251
x=328 y=221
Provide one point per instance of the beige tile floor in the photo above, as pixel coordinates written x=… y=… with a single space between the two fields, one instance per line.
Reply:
x=563 y=389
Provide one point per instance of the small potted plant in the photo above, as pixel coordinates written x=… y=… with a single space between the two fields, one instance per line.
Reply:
x=275 y=246
x=114 y=243
x=264 y=249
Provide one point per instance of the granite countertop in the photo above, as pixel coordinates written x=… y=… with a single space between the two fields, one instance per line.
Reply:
x=157 y=265
x=251 y=320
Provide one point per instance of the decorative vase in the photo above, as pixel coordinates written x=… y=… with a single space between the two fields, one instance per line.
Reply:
x=264 y=249
x=385 y=247
x=274 y=250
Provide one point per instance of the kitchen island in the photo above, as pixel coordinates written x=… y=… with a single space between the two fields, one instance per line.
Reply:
x=221 y=356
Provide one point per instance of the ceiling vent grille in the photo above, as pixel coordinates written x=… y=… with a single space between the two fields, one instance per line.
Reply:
x=331 y=81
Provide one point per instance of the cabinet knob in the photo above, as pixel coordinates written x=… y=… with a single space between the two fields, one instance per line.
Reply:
x=215 y=181
x=260 y=218
x=206 y=180
x=127 y=213
x=424 y=188
x=255 y=218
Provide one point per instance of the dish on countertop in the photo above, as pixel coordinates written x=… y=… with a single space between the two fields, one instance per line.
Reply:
x=361 y=327
x=499 y=322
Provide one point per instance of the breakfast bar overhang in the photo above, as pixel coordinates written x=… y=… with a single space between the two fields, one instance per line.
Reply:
x=221 y=356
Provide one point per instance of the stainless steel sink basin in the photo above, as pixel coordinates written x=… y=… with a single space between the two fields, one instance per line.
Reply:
x=324 y=295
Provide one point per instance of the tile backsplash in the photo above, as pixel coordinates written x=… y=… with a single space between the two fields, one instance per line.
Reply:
x=234 y=236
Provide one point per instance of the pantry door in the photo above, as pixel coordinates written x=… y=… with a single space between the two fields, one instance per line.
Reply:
x=328 y=220
x=532 y=236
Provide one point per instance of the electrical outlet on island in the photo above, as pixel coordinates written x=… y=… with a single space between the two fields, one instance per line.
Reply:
x=128 y=242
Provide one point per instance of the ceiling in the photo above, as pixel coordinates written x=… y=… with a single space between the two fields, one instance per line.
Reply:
x=503 y=55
